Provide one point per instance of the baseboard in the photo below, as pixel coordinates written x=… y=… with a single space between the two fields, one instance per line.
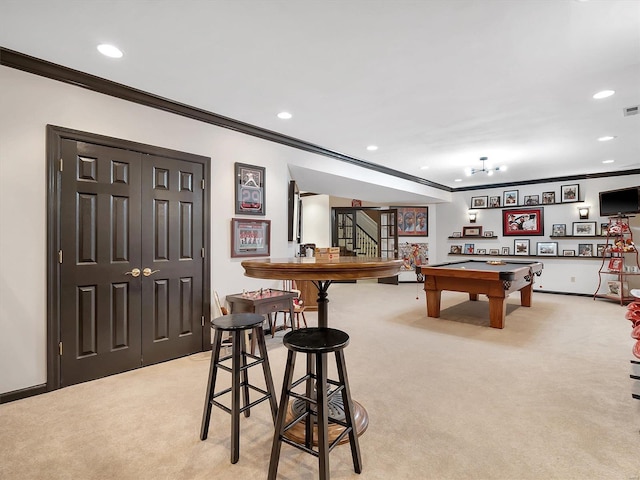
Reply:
x=22 y=393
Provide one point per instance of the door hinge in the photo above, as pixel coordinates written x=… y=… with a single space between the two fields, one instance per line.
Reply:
x=60 y=348
x=202 y=184
x=61 y=164
x=202 y=320
x=202 y=252
x=59 y=256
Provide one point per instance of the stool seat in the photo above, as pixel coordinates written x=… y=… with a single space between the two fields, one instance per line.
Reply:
x=237 y=321
x=316 y=340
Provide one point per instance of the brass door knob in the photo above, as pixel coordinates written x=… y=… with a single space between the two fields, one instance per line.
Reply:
x=148 y=272
x=134 y=273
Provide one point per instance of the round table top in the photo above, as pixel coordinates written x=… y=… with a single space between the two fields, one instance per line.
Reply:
x=310 y=268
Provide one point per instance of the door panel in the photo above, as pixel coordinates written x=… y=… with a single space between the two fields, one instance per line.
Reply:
x=172 y=242
x=99 y=239
x=389 y=240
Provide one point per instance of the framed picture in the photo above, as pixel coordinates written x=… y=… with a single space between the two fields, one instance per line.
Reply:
x=521 y=246
x=479 y=202
x=250 y=193
x=494 y=251
x=494 y=202
x=526 y=221
x=548 y=198
x=547 y=249
x=482 y=251
x=559 y=230
x=413 y=221
x=505 y=251
x=488 y=233
x=250 y=238
x=457 y=249
x=601 y=249
x=568 y=253
x=469 y=248
x=413 y=254
x=294 y=220
x=617 y=289
x=532 y=200
x=456 y=234
x=471 y=231
x=510 y=198
x=585 y=250
x=604 y=229
x=569 y=193
x=615 y=264
x=584 y=229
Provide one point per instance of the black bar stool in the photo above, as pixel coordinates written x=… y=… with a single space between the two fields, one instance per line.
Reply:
x=316 y=343
x=236 y=324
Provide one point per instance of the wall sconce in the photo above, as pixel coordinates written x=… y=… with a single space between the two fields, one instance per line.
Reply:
x=472 y=217
x=583 y=212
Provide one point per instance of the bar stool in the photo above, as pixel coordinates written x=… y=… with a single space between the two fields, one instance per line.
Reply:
x=236 y=324
x=316 y=343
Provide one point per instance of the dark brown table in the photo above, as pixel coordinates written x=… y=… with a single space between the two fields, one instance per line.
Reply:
x=265 y=301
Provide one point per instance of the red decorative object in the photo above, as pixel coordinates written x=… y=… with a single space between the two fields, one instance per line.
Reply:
x=636 y=349
x=521 y=222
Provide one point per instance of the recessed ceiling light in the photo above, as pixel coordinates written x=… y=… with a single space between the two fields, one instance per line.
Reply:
x=284 y=115
x=424 y=167
x=372 y=148
x=606 y=138
x=458 y=180
x=608 y=161
x=110 y=50
x=603 y=94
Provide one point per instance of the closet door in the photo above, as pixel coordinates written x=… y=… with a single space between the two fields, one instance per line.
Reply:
x=100 y=251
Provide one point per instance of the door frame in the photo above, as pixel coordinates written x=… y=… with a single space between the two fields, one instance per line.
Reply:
x=55 y=136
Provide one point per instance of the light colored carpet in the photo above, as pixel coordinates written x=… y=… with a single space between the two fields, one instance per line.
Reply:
x=548 y=397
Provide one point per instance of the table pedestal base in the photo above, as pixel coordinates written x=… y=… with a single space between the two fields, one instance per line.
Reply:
x=296 y=433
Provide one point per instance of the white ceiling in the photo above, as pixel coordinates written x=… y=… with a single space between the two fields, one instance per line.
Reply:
x=436 y=83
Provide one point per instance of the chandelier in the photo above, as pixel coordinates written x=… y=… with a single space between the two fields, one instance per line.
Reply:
x=485 y=169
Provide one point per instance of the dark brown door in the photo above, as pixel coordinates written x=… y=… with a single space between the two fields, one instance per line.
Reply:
x=172 y=263
x=132 y=271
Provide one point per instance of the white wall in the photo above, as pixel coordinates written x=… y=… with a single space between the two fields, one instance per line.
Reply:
x=561 y=275
x=316 y=220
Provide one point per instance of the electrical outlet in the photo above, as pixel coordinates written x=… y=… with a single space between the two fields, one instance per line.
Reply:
x=573 y=279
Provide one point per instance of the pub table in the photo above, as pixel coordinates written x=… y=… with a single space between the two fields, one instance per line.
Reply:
x=322 y=273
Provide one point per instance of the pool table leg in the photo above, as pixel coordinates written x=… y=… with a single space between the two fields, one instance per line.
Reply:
x=525 y=295
x=497 y=311
x=433 y=303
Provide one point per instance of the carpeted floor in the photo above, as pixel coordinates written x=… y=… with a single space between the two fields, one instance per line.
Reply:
x=548 y=397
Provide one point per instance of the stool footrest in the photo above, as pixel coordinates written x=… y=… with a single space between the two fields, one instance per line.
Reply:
x=258 y=361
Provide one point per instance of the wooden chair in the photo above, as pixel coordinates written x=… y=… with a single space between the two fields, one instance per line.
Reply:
x=298 y=308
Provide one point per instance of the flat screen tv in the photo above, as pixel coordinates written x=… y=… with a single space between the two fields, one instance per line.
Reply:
x=620 y=202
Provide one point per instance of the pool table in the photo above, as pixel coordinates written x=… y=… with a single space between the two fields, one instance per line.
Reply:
x=478 y=276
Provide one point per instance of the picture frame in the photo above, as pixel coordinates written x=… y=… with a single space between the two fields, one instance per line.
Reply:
x=524 y=221
x=473 y=231
x=568 y=253
x=547 y=249
x=494 y=251
x=604 y=229
x=616 y=264
x=249 y=189
x=294 y=213
x=548 y=198
x=510 y=198
x=584 y=229
x=456 y=249
x=413 y=221
x=521 y=246
x=505 y=251
x=616 y=288
x=601 y=250
x=559 y=230
x=531 y=200
x=479 y=202
x=482 y=251
x=456 y=234
x=570 y=193
x=469 y=248
x=488 y=233
x=250 y=238
x=585 y=249
x=413 y=254
x=494 y=201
